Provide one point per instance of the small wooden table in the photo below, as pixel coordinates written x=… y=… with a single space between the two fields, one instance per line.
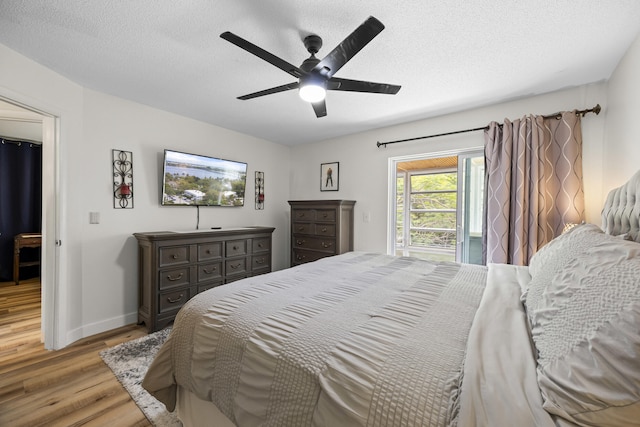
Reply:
x=24 y=240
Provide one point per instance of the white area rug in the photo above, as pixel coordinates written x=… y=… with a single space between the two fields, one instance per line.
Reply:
x=129 y=361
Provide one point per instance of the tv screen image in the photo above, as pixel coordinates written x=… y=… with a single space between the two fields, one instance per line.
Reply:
x=196 y=180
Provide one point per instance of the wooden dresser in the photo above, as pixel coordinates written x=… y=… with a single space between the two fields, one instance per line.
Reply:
x=175 y=266
x=320 y=228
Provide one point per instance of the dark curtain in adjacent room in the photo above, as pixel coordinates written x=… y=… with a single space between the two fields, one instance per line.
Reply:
x=20 y=199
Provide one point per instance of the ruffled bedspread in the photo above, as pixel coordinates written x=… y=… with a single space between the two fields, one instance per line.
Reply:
x=357 y=339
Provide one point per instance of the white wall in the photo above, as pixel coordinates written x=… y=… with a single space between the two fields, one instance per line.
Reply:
x=109 y=251
x=364 y=167
x=621 y=157
x=97 y=275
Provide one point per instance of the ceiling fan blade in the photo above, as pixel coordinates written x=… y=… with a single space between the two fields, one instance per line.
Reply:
x=262 y=54
x=361 y=86
x=342 y=53
x=320 y=108
x=277 y=89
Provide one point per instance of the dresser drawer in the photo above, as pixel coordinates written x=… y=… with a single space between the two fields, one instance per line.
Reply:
x=209 y=271
x=325 y=230
x=235 y=266
x=261 y=245
x=236 y=248
x=300 y=256
x=259 y=262
x=303 y=228
x=209 y=251
x=172 y=255
x=315 y=243
x=176 y=277
x=172 y=301
x=303 y=215
x=328 y=215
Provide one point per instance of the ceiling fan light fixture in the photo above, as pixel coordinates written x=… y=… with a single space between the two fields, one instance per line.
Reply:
x=312 y=90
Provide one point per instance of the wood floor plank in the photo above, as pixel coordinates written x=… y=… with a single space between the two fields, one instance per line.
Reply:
x=68 y=387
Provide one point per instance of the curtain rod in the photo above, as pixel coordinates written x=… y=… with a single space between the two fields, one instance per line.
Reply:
x=7 y=139
x=557 y=115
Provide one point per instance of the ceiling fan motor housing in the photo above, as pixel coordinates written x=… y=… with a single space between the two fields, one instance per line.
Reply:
x=312 y=43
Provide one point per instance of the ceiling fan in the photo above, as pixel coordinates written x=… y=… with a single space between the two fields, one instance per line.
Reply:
x=316 y=76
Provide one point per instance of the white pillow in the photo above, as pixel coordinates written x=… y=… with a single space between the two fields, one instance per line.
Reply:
x=586 y=329
x=552 y=257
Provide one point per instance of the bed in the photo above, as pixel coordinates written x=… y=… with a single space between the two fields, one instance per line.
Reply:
x=364 y=339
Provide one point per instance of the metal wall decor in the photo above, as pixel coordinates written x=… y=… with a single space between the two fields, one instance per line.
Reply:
x=122 y=179
x=259 y=190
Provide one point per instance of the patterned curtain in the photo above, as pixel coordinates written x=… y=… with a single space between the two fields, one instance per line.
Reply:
x=533 y=183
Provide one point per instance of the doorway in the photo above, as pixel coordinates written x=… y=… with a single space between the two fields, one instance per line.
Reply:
x=22 y=122
x=436 y=208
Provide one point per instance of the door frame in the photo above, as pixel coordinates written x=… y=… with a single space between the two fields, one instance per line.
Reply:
x=392 y=166
x=49 y=276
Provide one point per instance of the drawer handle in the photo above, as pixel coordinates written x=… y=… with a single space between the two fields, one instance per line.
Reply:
x=259 y=245
x=301 y=228
x=174 y=256
x=173 y=301
x=324 y=215
x=300 y=257
x=300 y=242
x=173 y=279
x=234 y=266
x=327 y=245
x=209 y=271
x=301 y=214
x=324 y=229
x=235 y=248
x=208 y=251
x=260 y=261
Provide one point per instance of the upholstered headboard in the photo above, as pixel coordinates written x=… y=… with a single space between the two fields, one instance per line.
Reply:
x=621 y=212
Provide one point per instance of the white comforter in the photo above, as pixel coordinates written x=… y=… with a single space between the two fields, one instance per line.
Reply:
x=500 y=386
x=357 y=340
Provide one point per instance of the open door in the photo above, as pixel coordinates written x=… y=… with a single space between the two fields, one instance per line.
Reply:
x=470 y=201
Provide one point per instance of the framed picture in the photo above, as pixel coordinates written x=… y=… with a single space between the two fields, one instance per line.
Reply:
x=329 y=176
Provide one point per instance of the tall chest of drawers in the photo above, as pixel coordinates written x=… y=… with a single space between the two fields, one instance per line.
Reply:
x=175 y=266
x=320 y=228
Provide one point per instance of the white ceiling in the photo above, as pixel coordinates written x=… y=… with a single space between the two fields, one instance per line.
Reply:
x=447 y=55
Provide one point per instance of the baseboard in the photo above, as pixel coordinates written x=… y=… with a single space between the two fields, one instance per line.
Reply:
x=98 y=327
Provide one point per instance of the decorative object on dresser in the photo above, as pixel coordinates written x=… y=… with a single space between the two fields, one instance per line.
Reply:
x=175 y=266
x=320 y=228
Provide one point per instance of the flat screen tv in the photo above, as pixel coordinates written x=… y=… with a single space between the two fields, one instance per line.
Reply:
x=196 y=180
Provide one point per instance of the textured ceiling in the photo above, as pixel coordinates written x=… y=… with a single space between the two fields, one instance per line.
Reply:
x=448 y=56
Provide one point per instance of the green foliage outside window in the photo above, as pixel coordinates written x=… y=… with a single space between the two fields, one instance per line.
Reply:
x=433 y=203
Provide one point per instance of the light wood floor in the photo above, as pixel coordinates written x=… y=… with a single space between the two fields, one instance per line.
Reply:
x=68 y=387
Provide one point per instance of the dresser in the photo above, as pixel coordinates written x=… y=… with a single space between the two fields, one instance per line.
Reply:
x=320 y=228
x=173 y=267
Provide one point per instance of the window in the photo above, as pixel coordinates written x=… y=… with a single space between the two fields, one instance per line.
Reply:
x=427 y=214
x=438 y=208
